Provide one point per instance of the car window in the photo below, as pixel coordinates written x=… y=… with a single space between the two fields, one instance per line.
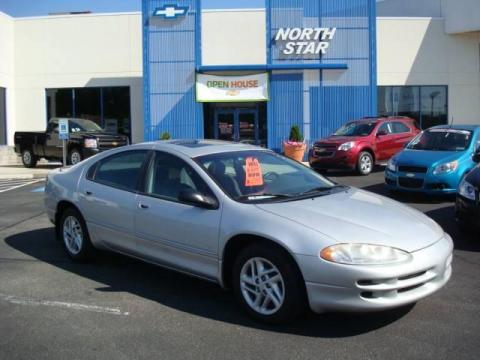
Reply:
x=52 y=126
x=386 y=128
x=121 y=170
x=399 y=128
x=169 y=175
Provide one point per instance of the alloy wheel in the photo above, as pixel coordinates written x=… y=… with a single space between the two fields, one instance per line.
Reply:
x=73 y=235
x=262 y=286
x=75 y=158
x=366 y=164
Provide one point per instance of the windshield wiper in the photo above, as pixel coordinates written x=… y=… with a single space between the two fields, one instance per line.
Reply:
x=322 y=189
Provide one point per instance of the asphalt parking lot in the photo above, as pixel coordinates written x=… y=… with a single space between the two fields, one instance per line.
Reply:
x=120 y=308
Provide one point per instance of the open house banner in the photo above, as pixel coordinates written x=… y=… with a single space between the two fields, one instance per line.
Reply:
x=213 y=88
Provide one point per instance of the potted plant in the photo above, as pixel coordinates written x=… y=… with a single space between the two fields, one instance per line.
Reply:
x=165 y=136
x=295 y=147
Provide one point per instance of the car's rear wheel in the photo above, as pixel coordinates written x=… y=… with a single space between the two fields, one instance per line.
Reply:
x=29 y=160
x=268 y=285
x=74 y=235
x=365 y=163
x=75 y=157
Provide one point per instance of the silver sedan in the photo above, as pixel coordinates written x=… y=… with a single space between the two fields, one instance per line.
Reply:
x=276 y=232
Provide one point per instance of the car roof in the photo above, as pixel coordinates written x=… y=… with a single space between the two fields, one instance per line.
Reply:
x=377 y=119
x=457 y=127
x=200 y=147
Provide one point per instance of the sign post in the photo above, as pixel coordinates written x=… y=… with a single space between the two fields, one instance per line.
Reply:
x=64 y=135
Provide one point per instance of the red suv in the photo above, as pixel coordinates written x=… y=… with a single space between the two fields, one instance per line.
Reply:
x=359 y=145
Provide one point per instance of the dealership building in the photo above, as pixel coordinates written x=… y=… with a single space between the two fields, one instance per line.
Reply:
x=242 y=74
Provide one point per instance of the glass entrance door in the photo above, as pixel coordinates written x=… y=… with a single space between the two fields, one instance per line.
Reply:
x=240 y=125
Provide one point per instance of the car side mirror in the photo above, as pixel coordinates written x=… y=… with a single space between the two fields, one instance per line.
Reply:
x=381 y=133
x=476 y=156
x=194 y=198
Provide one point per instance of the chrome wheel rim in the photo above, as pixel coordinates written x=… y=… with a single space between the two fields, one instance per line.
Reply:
x=27 y=157
x=72 y=235
x=75 y=158
x=262 y=286
x=366 y=164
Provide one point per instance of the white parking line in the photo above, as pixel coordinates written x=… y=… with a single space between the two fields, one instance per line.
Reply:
x=66 y=305
x=11 y=184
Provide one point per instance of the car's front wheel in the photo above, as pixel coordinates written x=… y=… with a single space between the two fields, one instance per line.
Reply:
x=75 y=157
x=74 y=234
x=365 y=163
x=268 y=285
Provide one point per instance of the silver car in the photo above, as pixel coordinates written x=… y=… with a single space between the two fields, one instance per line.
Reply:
x=276 y=232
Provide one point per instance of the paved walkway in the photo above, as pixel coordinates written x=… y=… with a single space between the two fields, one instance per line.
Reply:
x=20 y=172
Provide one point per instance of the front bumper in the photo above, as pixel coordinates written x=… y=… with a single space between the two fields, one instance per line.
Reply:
x=424 y=183
x=337 y=160
x=337 y=287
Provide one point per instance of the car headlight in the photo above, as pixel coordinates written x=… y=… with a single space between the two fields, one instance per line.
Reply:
x=91 y=143
x=364 y=254
x=392 y=165
x=446 y=168
x=467 y=190
x=346 y=146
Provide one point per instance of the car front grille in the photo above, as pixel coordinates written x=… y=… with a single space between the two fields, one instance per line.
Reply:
x=321 y=150
x=105 y=143
x=393 y=287
x=410 y=183
x=412 y=169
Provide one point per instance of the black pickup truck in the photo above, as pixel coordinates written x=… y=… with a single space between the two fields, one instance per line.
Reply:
x=86 y=139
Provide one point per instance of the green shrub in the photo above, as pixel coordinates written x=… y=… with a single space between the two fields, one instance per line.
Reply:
x=165 y=136
x=295 y=134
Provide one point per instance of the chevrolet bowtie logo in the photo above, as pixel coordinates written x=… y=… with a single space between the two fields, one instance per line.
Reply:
x=171 y=11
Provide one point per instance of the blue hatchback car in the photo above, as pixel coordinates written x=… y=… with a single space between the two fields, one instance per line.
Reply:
x=435 y=161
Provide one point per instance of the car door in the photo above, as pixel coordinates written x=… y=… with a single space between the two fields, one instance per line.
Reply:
x=173 y=233
x=403 y=134
x=53 y=144
x=107 y=199
x=385 y=141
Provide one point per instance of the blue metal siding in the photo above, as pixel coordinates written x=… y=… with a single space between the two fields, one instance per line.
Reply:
x=169 y=50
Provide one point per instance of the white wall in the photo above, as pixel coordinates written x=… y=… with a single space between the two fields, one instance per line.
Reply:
x=233 y=37
x=76 y=51
x=461 y=15
x=7 y=68
x=417 y=51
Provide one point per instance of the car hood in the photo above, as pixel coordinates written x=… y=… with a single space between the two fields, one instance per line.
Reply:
x=99 y=135
x=338 y=140
x=359 y=216
x=426 y=158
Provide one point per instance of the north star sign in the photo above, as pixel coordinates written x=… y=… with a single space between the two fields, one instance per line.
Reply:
x=171 y=11
x=305 y=41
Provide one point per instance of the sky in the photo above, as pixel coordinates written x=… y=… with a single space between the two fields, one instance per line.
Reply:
x=19 y=8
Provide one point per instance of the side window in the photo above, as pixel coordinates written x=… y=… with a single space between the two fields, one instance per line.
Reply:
x=168 y=175
x=52 y=126
x=386 y=128
x=121 y=170
x=399 y=128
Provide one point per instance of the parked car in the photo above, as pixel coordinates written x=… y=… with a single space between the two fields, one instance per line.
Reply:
x=435 y=161
x=467 y=207
x=278 y=233
x=86 y=139
x=359 y=145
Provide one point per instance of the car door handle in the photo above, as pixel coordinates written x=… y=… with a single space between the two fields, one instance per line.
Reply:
x=143 y=206
x=88 y=193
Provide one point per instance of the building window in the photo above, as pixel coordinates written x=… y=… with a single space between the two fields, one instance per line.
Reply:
x=109 y=107
x=428 y=105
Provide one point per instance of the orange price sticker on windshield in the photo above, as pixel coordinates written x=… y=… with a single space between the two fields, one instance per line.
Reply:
x=253 y=172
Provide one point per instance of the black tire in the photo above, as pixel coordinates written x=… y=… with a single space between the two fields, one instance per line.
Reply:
x=365 y=163
x=74 y=156
x=29 y=160
x=85 y=249
x=294 y=298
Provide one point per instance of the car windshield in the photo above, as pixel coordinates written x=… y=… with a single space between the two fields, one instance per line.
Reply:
x=442 y=140
x=83 y=125
x=355 y=129
x=263 y=176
